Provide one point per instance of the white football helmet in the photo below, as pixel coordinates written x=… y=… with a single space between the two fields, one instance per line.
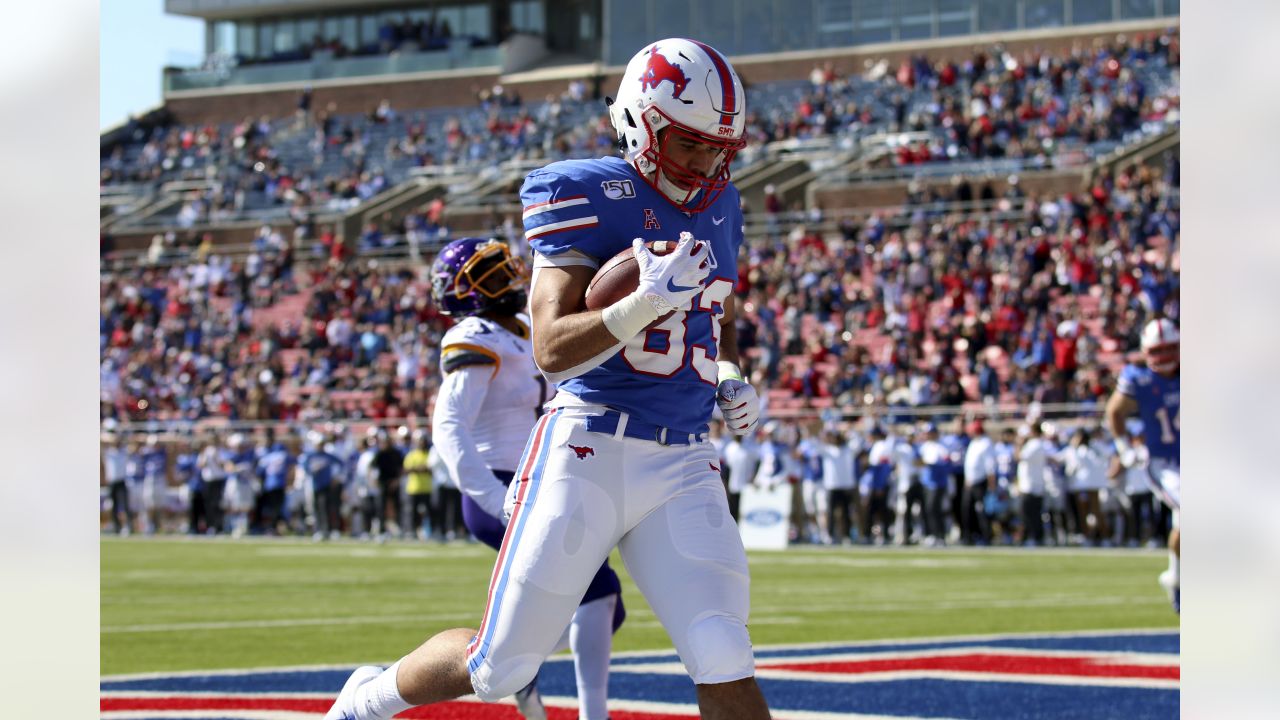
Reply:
x=1160 y=341
x=689 y=89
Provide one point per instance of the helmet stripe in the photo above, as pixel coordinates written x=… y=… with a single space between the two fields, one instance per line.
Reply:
x=729 y=99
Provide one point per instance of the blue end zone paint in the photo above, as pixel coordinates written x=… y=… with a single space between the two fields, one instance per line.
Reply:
x=928 y=697
x=296 y=681
x=975 y=700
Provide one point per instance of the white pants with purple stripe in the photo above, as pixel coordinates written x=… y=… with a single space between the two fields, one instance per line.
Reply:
x=576 y=496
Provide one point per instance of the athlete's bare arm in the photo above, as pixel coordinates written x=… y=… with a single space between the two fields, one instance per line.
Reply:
x=729 y=332
x=565 y=333
x=1120 y=407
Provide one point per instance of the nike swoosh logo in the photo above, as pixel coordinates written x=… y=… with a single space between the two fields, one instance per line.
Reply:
x=717 y=220
x=713 y=467
x=673 y=287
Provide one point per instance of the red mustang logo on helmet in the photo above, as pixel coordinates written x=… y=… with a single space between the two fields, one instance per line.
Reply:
x=659 y=69
x=582 y=452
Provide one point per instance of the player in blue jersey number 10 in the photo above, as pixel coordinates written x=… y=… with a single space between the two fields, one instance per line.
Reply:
x=1151 y=391
x=621 y=458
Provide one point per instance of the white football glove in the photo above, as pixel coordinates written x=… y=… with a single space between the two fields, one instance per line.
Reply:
x=667 y=283
x=739 y=403
x=670 y=281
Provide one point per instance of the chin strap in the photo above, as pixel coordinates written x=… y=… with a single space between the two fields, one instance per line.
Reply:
x=674 y=192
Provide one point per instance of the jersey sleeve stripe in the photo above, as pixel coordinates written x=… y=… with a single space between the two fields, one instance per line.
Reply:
x=548 y=206
x=468 y=347
x=549 y=228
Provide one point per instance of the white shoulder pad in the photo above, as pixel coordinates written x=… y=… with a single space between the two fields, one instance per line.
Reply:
x=471 y=342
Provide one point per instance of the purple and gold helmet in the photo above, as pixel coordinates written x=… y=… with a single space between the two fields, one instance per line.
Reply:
x=478 y=275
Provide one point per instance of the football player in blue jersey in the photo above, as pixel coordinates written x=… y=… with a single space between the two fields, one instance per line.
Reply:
x=1151 y=391
x=621 y=458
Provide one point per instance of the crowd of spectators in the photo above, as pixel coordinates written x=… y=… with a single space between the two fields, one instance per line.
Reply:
x=994 y=104
x=1034 y=297
x=404 y=35
x=1034 y=300
x=323 y=161
x=961 y=296
x=185 y=342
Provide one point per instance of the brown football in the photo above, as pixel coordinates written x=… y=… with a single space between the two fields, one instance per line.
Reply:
x=620 y=276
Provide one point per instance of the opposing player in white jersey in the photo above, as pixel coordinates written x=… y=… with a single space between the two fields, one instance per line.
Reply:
x=491 y=396
x=1152 y=392
x=621 y=458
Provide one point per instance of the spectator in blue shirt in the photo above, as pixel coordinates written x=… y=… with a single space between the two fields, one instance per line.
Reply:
x=274 y=467
x=321 y=472
x=187 y=473
x=935 y=477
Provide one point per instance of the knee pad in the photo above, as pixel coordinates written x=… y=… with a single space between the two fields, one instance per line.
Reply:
x=492 y=682
x=719 y=650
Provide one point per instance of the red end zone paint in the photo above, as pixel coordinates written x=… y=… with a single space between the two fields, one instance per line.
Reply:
x=990 y=663
x=319 y=706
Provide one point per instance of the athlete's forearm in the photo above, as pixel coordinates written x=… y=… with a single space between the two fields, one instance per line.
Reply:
x=1119 y=408
x=728 y=350
x=572 y=340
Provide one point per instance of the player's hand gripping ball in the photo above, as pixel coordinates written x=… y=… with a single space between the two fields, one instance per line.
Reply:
x=669 y=280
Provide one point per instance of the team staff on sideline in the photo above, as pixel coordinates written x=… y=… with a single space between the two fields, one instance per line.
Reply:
x=622 y=458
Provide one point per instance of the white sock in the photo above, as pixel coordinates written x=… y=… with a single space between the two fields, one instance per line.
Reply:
x=379 y=699
x=1173 y=567
x=591 y=637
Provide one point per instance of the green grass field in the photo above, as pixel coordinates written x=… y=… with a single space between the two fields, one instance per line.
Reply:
x=182 y=604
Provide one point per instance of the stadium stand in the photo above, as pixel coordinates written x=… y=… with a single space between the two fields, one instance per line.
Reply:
x=949 y=235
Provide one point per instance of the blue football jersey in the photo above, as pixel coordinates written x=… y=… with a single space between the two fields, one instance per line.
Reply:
x=1159 y=405
x=320 y=466
x=667 y=374
x=274 y=466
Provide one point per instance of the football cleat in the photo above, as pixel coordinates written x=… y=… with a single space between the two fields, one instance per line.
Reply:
x=344 y=708
x=529 y=702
